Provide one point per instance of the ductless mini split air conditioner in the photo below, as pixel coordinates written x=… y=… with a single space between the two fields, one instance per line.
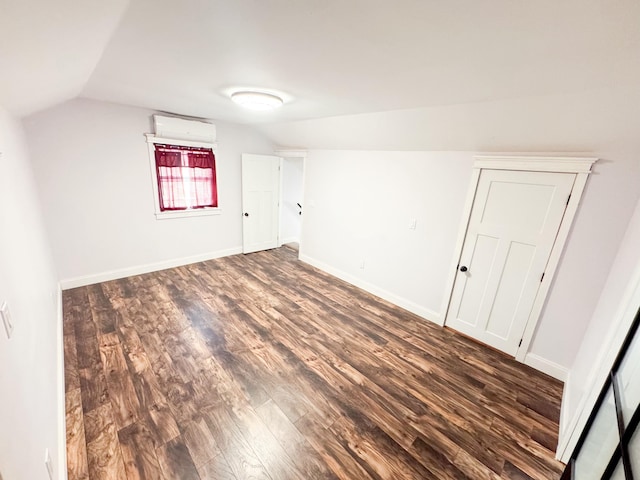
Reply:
x=181 y=129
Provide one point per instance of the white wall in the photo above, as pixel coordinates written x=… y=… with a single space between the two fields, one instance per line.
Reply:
x=588 y=121
x=292 y=192
x=600 y=123
x=607 y=205
x=31 y=401
x=614 y=312
x=92 y=170
x=358 y=208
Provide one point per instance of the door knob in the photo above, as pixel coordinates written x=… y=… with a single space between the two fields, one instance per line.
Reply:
x=246 y=214
x=463 y=268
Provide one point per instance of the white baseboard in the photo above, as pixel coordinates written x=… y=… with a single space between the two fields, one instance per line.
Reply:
x=141 y=269
x=62 y=410
x=569 y=427
x=546 y=366
x=564 y=431
x=384 y=294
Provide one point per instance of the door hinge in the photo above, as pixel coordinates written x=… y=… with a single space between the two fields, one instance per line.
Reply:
x=568 y=198
x=542 y=277
x=520 y=344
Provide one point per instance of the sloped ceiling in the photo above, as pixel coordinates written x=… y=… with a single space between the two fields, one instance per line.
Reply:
x=583 y=122
x=48 y=49
x=327 y=57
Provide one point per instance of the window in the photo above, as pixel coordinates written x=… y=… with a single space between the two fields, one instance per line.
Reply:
x=186 y=177
x=185 y=181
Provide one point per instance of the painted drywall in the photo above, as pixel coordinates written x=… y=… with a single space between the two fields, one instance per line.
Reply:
x=359 y=207
x=292 y=192
x=50 y=65
x=333 y=57
x=607 y=327
x=600 y=123
x=602 y=218
x=586 y=122
x=93 y=173
x=31 y=404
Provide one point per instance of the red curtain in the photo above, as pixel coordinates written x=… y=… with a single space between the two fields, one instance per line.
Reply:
x=186 y=177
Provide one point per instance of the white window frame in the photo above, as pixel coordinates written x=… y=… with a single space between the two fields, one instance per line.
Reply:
x=152 y=140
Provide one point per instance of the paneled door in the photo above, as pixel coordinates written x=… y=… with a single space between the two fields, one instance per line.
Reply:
x=513 y=225
x=260 y=202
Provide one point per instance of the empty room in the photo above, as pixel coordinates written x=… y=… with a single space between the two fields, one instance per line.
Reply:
x=267 y=239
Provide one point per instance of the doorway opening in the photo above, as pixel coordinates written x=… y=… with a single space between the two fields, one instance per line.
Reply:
x=291 y=201
x=272 y=200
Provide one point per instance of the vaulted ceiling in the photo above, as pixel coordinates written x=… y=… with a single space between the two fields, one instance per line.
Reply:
x=326 y=57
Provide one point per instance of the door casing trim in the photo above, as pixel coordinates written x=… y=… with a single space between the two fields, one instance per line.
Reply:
x=581 y=167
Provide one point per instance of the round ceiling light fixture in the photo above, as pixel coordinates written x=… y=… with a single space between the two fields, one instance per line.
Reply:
x=257 y=100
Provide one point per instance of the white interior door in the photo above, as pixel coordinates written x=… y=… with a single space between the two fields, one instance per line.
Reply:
x=513 y=225
x=260 y=197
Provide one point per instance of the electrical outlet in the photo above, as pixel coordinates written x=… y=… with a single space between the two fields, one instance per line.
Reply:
x=48 y=463
x=6 y=319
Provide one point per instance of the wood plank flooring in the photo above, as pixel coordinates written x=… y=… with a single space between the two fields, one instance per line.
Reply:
x=261 y=367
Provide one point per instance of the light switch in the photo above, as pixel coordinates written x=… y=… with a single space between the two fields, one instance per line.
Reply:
x=412 y=223
x=6 y=319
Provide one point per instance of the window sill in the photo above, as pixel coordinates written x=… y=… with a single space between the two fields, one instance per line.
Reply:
x=199 y=212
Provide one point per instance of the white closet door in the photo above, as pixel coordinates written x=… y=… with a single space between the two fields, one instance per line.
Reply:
x=513 y=225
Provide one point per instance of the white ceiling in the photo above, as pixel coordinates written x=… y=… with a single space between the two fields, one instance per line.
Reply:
x=327 y=57
x=48 y=49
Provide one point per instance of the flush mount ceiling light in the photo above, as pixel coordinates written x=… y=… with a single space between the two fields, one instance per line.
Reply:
x=257 y=100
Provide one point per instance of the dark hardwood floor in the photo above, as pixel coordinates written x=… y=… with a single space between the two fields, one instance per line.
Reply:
x=261 y=367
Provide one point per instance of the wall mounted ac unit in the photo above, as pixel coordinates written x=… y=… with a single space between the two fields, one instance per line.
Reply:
x=181 y=129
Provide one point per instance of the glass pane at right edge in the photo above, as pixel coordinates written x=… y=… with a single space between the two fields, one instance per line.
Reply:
x=628 y=376
x=618 y=473
x=634 y=454
x=601 y=442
